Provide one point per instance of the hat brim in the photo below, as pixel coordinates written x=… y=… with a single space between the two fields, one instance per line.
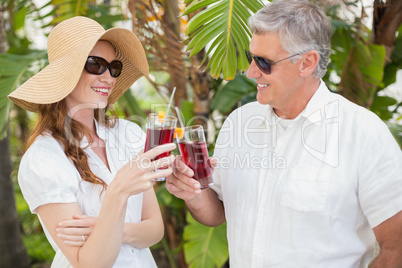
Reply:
x=57 y=80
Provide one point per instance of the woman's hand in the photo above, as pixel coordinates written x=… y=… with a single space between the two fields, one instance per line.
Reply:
x=139 y=174
x=76 y=231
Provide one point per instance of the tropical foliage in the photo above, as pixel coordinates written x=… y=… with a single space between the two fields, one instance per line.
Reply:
x=224 y=23
x=187 y=44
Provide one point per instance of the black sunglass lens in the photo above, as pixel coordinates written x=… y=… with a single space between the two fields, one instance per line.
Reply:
x=115 y=68
x=95 y=65
x=263 y=64
x=249 y=57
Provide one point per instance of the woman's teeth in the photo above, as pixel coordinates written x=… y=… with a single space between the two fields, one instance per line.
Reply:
x=103 y=90
x=262 y=85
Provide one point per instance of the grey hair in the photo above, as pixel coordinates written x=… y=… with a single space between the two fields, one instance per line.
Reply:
x=301 y=25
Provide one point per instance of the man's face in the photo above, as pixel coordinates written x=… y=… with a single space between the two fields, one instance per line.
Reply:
x=280 y=89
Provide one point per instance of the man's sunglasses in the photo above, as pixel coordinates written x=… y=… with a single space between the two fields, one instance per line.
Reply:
x=263 y=64
x=98 y=65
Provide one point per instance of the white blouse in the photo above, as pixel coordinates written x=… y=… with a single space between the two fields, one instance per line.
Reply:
x=46 y=175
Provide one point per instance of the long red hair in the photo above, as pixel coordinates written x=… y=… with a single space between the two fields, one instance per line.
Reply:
x=53 y=118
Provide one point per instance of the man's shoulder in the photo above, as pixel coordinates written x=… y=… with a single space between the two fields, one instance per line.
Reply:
x=351 y=110
x=251 y=109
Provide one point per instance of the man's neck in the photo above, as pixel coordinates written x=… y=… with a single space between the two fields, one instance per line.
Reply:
x=299 y=103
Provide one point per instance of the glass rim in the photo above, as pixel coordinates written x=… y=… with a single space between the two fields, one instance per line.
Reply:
x=194 y=127
x=166 y=117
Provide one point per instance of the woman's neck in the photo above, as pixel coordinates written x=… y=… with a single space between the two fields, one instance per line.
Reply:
x=86 y=117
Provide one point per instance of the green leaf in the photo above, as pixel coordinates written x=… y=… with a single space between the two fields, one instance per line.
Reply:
x=214 y=44
x=4 y=110
x=205 y=246
x=167 y=199
x=19 y=18
x=187 y=111
x=240 y=12
x=396 y=55
x=230 y=62
x=217 y=61
x=396 y=130
x=382 y=102
x=12 y=70
x=204 y=17
x=231 y=93
x=380 y=106
x=224 y=16
x=341 y=45
x=196 y=5
x=254 y=6
x=132 y=104
x=371 y=63
x=389 y=74
x=205 y=36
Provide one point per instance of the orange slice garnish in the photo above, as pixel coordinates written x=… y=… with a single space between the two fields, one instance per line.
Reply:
x=179 y=132
x=161 y=116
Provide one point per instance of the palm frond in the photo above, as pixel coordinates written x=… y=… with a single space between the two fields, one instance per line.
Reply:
x=223 y=27
x=13 y=69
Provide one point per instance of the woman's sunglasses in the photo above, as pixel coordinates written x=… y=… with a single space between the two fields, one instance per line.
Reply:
x=263 y=64
x=98 y=65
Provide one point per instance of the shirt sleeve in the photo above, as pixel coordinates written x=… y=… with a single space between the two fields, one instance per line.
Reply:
x=47 y=176
x=380 y=174
x=217 y=175
x=222 y=152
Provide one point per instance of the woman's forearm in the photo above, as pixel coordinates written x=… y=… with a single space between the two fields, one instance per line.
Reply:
x=150 y=230
x=103 y=246
x=143 y=234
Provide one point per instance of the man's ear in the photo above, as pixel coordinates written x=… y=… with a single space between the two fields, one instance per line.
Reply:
x=310 y=62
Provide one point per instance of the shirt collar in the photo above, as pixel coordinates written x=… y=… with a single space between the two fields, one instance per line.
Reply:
x=317 y=101
x=312 y=106
x=100 y=131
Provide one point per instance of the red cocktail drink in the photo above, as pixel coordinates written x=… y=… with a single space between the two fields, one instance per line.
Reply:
x=160 y=130
x=157 y=137
x=194 y=151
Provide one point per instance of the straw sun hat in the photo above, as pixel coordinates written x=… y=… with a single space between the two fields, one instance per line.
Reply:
x=69 y=45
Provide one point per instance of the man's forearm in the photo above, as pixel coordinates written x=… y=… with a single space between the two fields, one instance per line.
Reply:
x=389 y=259
x=207 y=208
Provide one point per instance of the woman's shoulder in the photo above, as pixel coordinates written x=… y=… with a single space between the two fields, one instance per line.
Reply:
x=46 y=174
x=45 y=145
x=45 y=153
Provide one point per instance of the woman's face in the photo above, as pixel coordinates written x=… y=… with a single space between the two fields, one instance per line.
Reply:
x=92 y=91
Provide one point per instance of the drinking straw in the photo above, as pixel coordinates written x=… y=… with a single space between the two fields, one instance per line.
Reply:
x=180 y=122
x=170 y=103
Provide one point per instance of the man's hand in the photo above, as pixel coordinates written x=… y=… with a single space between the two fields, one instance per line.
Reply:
x=204 y=205
x=181 y=184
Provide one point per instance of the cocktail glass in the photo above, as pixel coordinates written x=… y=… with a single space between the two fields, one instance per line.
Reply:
x=193 y=149
x=160 y=130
